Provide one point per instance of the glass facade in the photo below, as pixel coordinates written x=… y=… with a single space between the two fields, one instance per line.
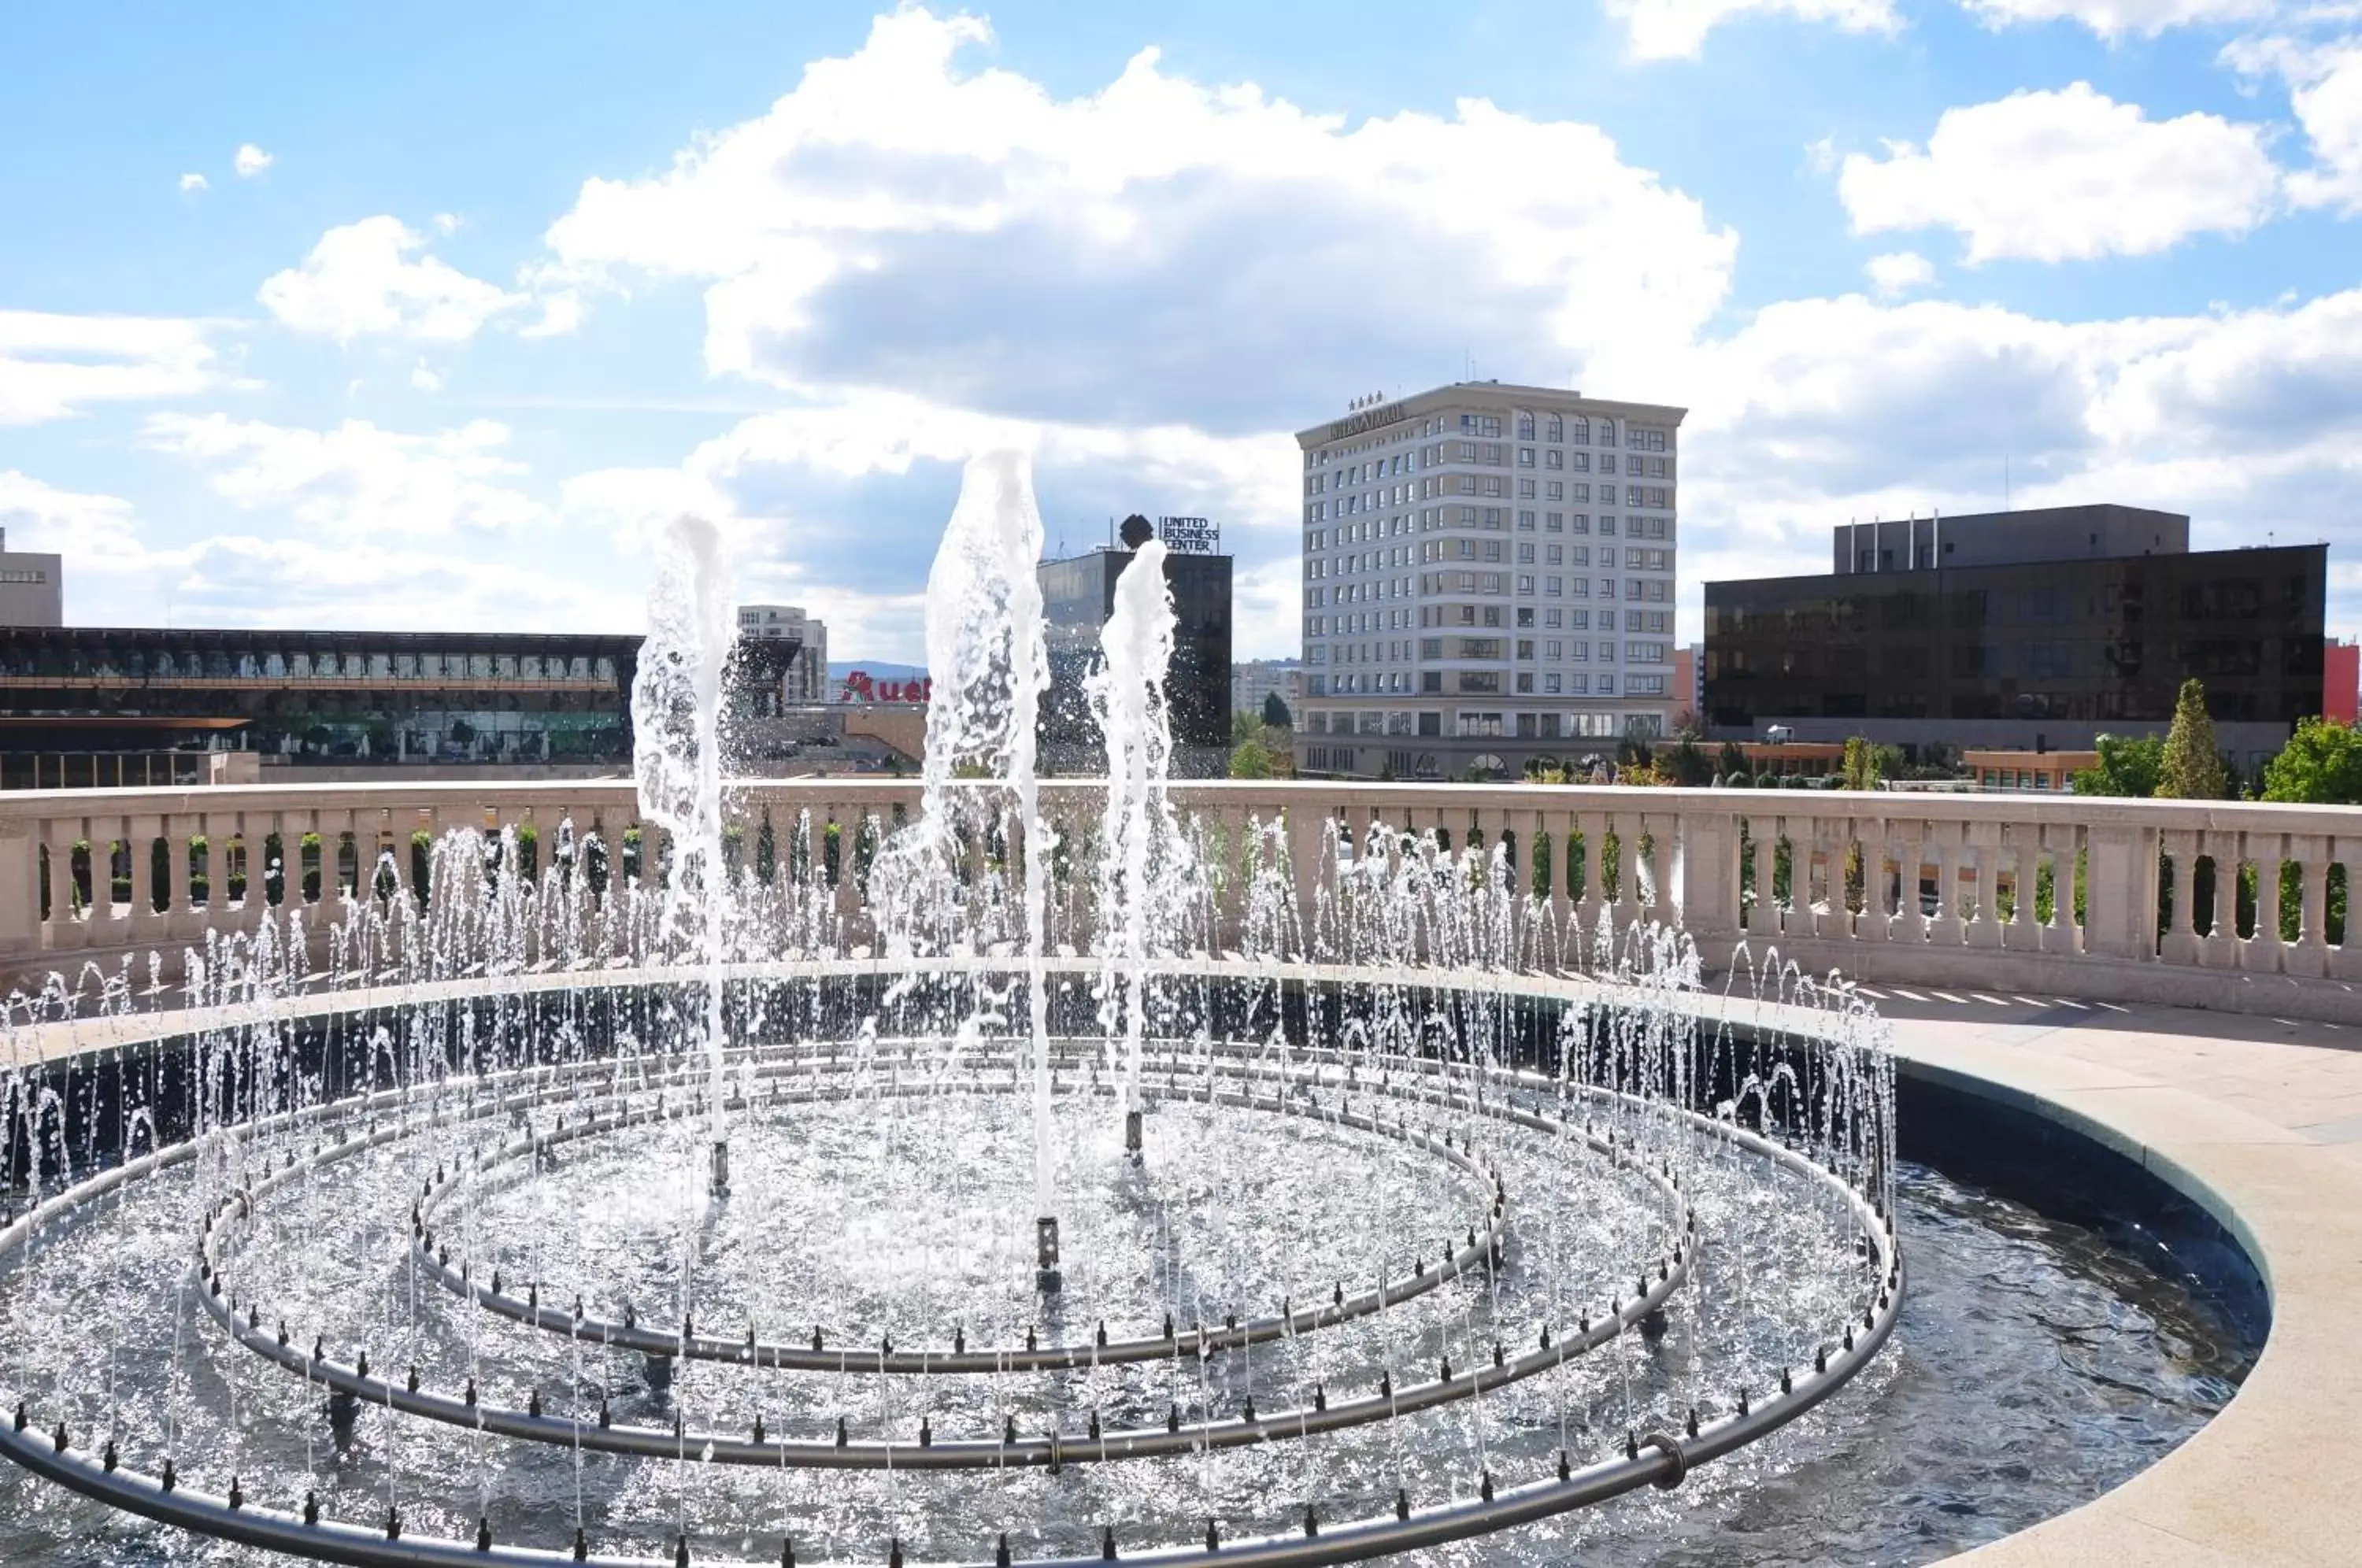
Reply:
x=2091 y=642
x=1078 y=596
x=367 y=696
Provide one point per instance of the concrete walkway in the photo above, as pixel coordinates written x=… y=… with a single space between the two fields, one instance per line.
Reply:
x=2260 y=1121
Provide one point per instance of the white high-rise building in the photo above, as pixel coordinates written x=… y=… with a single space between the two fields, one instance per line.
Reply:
x=807 y=678
x=1489 y=577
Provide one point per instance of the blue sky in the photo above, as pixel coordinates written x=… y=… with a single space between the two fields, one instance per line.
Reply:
x=430 y=317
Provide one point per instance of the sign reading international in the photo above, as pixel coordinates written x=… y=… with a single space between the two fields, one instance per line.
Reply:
x=1189 y=536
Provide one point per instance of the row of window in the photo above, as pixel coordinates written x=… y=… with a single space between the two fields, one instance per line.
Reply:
x=1554 y=649
x=1355 y=623
x=1487 y=519
x=1486 y=487
x=1490 y=455
x=1557 y=429
x=1653 y=589
x=1465 y=722
x=139 y=665
x=1493 y=584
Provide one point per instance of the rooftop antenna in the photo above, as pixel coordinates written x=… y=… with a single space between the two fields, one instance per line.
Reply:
x=2005 y=505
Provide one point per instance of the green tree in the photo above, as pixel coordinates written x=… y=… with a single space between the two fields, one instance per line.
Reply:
x=1689 y=766
x=1275 y=715
x=1243 y=728
x=2320 y=766
x=2192 y=769
x=1863 y=765
x=2128 y=764
x=1730 y=760
x=1250 y=760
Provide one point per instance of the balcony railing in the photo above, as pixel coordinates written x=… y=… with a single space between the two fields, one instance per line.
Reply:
x=2215 y=904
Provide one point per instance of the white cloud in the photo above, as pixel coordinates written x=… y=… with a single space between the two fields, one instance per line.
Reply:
x=241 y=579
x=362 y=279
x=52 y=366
x=561 y=312
x=44 y=519
x=251 y=160
x=357 y=481
x=2070 y=175
x=423 y=378
x=822 y=497
x=1899 y=271
x=898 y=220
x=196 y=182
x=446 y=224
x=2324 y=82
x=1670 y=30
x=1815 y=411
x=2113 y=19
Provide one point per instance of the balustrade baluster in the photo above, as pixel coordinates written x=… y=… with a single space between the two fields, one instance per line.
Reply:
x=145 y=922
x=2222 y=947
x=2023 y=841
x=2062 y=933
x=1763 y=922
x=69 y=911
x=1984 y=842
x=2263 y=952
x=2180 y=943
x=2344 y=956
x=1909 y=919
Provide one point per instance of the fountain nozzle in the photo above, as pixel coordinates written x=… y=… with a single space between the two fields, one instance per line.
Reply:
x=1046 y=1277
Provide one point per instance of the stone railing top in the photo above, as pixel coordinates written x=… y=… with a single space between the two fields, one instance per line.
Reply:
x=2249 y=815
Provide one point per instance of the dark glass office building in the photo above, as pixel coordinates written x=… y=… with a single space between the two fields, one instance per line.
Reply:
x=2034 y=655
x=1077 y=597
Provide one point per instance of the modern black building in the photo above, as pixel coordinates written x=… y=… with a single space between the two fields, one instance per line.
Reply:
x=2056 y=627
x=1077 y=597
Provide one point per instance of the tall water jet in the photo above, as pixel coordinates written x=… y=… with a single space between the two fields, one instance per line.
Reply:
x=989 y=665
x=1142 y=854
x=677 y=744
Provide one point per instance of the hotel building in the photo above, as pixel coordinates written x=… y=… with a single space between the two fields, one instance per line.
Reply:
x=1488 y=579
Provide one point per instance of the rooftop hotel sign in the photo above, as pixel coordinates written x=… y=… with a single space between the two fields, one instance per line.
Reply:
x=1367 y=419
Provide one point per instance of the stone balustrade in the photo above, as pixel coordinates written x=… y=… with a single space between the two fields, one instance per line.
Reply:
x=2220 y=904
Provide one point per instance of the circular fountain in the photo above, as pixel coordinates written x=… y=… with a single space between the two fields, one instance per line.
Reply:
x=1080 y=1191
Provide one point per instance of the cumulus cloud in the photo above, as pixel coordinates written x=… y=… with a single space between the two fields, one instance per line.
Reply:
x=423 y=378
x=1814 y=411
x=42 y=518
x=251 y=160
x=245 y=580
x=899 y=220
x=371 y=277
x=1899 y=273
x=358 y=482
x=1668 y=29
x=193 y=181
x=2113 y=19
x=2069 y=175
x=2324 y=82
x=52 y=366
